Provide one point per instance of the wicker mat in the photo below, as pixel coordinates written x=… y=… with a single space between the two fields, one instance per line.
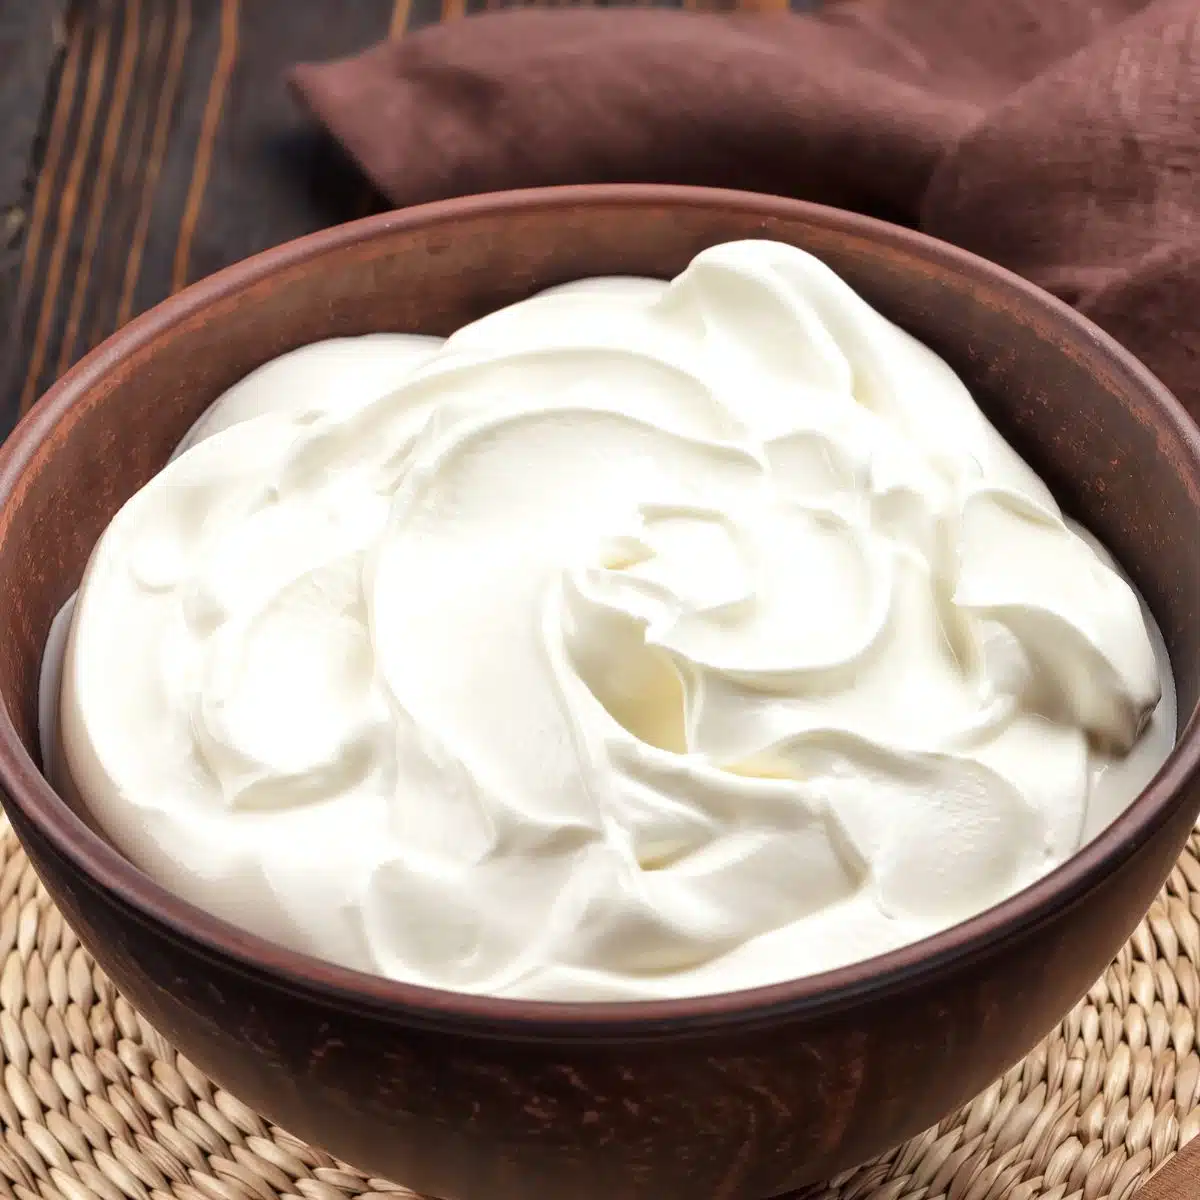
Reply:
x=95 y=1103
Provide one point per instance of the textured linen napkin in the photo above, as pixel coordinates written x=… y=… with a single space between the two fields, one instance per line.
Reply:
x=1060 y=138
x=1179 y=1179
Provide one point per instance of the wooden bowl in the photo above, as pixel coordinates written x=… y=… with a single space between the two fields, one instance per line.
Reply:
x=738 y=1095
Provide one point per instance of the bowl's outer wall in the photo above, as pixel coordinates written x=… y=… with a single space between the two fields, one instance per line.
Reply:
x=745 y=1113
x=741 y=1108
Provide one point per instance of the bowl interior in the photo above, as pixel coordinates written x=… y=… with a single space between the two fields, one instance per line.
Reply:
x=1113 y=446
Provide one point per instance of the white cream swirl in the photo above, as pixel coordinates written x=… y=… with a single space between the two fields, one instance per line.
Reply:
x=642 y=639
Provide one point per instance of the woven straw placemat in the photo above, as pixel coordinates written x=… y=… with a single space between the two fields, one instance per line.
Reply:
x=94 y=1103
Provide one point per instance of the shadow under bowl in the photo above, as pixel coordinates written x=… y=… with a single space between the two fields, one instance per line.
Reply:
x=736 y=1095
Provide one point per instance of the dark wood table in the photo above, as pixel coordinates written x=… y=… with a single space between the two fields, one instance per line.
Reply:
x=146 y=143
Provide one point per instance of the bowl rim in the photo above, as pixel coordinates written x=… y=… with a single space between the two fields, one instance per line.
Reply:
x=150 y=903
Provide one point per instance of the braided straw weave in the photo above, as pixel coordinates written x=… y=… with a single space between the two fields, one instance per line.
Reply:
x=95 y=1104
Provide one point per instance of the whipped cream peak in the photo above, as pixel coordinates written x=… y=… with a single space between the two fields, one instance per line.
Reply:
x=640 y=639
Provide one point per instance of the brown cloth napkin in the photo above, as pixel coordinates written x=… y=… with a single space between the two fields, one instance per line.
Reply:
x=1060 y=138
x=1178 y=1180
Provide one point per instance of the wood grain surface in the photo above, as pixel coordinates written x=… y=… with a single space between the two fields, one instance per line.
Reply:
x=154 y=141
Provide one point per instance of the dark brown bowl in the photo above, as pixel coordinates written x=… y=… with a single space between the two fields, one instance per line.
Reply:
x=740 y=1095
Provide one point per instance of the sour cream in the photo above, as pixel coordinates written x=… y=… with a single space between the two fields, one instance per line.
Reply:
x=642 y=639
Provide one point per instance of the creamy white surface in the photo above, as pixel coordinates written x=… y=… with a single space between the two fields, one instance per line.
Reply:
x=639 y=640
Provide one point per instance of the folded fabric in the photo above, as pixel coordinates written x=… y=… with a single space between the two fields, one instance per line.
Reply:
x=1179 y=1179
x=1057 y=137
